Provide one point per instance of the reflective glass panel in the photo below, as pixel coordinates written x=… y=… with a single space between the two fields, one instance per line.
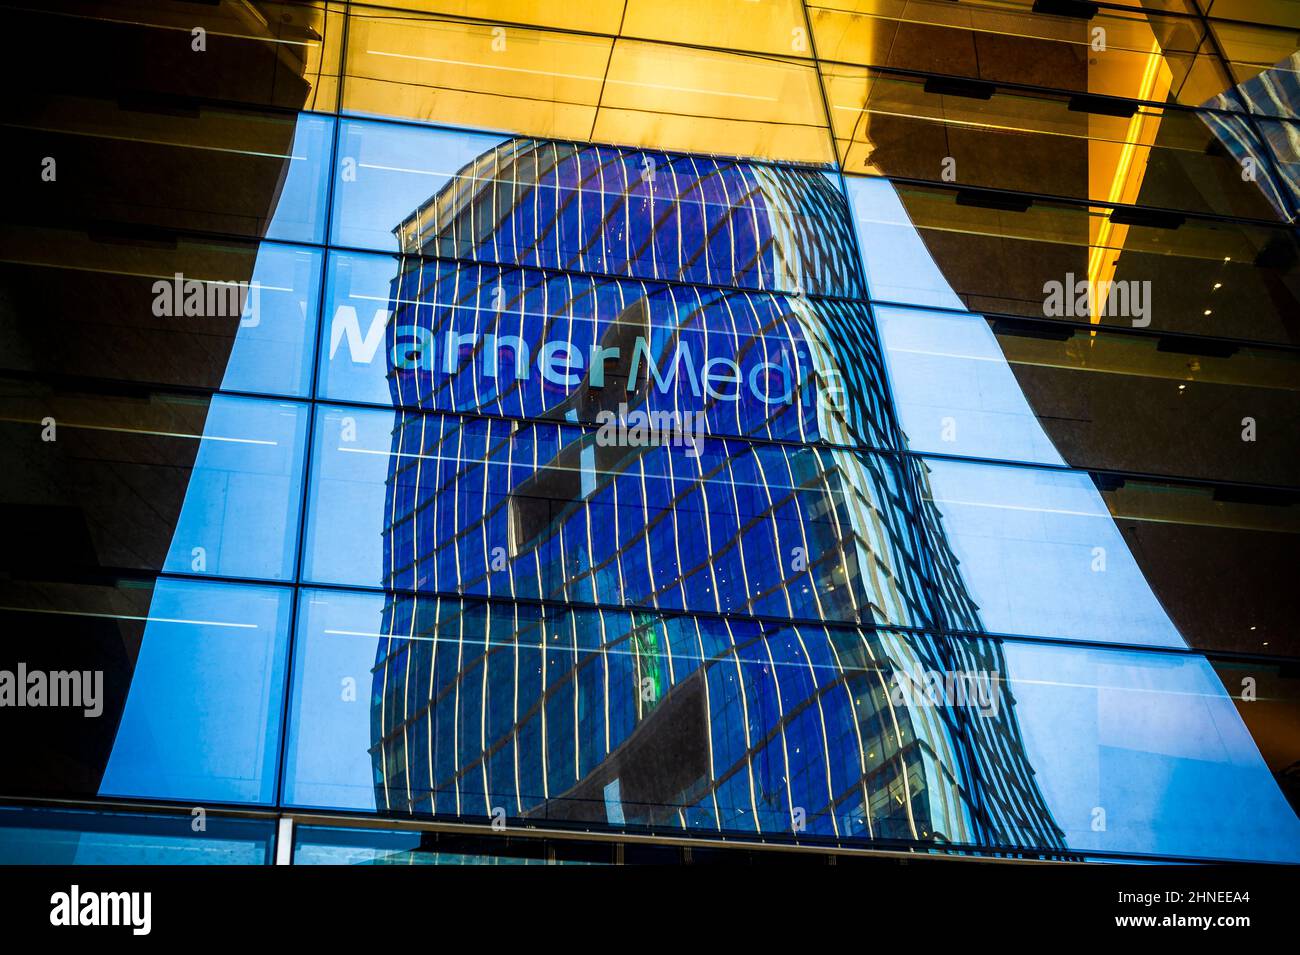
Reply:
x=478 y=75
x=1144 y=752
x=122 y=311
x=872 y=737
x=285 y=55
x=170 y=689
x=231 y=172
x=471 y=505
x=68 y=837
x=600 y=209
x=140 y=480
x=949 y=249
x=1158 y=157
x=1020 y=391
x=1147 y=55
x=1066 y=554
x=321 y=845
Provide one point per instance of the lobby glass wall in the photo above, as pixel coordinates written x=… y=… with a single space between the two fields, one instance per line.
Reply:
x=660 y=420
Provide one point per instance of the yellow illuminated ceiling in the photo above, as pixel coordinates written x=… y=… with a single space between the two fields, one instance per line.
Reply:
x=814 y=81
x=776 y=79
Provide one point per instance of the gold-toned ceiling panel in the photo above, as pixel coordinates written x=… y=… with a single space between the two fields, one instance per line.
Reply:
x=696 y=100
x=589 y=16
x=475 y=75
x=761 y=26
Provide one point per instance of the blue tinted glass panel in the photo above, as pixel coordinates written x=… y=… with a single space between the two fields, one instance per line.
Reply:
x=385 y=171
x=240 y=515
x=319 y=845
x=895 y=260
x=1040 y=553
x=955 y=391
x=327 y=752
x=873 y=736
x=1146 y=753
x=210 y=671
x=273 y=347
x=596 y=209
x=300 y=209
x=66 y=837
x=497 y=508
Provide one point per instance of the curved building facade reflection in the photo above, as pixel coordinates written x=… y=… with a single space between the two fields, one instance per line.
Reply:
x=721 y=695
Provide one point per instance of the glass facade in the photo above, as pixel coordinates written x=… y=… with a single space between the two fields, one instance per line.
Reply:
x=854 y=425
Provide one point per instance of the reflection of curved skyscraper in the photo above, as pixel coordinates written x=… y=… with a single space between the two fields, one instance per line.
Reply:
x=712 y=632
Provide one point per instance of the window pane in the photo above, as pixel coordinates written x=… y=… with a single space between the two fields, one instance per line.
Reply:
x=154 y=482
x=121 y=314
x=1020 y=391
x=873 y=736
x=286 y=56
x=1159 y=157
x=460 y=73
x=924 y=246
x=67 y=837
x=1156 y=754
x=214 y=170
x=601 y=209
x=1070 y=555
x=319 y=845
x=161 y=690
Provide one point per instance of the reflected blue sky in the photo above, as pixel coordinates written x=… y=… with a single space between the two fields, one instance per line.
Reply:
x=388 y=171
x=1153 y=742
x=240 y=514
x=953 y=389
x=345 y=526
x=327 y=751
x=1041 y=555
x=1039 y=551
x=202 y=720
x=272 y=352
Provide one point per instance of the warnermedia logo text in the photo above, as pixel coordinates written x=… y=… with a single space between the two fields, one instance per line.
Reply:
x=562 y=364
